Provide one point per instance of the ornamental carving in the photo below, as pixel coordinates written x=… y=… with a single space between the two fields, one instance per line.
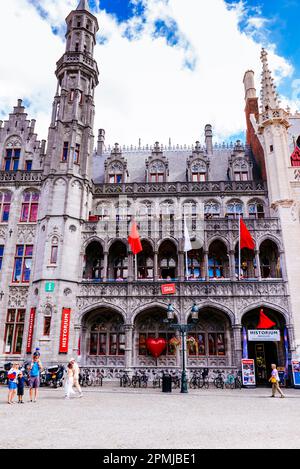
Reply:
x=18 y=297
x=3 y=233
x=26 y=234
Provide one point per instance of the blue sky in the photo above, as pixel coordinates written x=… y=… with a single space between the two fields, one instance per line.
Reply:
x=167 y=67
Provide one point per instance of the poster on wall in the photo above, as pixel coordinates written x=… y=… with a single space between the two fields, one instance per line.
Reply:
x=296 y=373
x=248 y=372
x=30 y=330
x=65 y=328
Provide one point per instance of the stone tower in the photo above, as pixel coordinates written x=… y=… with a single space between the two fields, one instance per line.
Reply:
x=66 y=194
x=272 y=128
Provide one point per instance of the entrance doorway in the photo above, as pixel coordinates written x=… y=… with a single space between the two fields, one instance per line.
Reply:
x=264 y=354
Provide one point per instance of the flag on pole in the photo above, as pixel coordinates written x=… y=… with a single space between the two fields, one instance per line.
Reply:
x=246 y=240
x=264 y=321
x=187 y=240
x=134 y=239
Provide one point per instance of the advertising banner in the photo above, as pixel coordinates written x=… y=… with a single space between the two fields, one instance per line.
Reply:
x=264 y=335
x=168 y=289
x=30 y=330
x=65 y=329
x=296 y=373
x=248 y=372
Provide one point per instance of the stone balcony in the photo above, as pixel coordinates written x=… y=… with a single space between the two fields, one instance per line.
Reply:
x=20 y=176
x=212 y=188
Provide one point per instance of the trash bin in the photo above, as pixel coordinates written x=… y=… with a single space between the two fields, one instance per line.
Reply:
x=167 y=383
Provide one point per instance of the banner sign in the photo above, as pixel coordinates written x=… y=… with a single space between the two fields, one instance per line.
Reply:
x=296 y=373
x=30 y=330
x=65 y=329
x=168 y=289
x=264 y=335
x=248 y=372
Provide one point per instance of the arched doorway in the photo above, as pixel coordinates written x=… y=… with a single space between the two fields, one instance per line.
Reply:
x=269 y=260
x=103 y=338
x=150 y=323
x=218 y=261
x=264 y=351
x=213 y=345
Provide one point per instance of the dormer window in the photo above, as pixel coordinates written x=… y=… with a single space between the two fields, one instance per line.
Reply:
x=12 y=155
x=115 y=178
x=157 y=172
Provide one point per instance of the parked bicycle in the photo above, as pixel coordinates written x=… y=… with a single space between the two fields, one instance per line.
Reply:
x=85 y=377
x=157 y=378
x=219 y=380
x=176 y=379
x=125 y=381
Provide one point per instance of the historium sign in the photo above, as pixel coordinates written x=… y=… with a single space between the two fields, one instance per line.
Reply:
x=264 y=335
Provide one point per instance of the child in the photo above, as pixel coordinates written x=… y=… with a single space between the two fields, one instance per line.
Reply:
x=21 y=382
x=12 y=382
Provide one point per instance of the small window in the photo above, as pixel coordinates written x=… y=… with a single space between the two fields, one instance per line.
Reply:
x=65 y=151
x=47 y=326
x=1 y=255
x=72 y=94
x=77 y=47
x=76 y=153
x=271 y=148
x=28 y=165
x=116 y=178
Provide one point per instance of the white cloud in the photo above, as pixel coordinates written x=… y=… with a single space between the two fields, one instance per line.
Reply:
x=145 y=91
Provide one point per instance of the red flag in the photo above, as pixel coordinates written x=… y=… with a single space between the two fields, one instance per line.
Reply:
x=264 y=321
x=295 y=157
x=246 y=240
x=134 y=239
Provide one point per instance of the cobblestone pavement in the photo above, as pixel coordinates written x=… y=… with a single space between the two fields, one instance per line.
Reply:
x=111 y=417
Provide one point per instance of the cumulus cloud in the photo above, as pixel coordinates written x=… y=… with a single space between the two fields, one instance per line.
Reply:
x=165 y=74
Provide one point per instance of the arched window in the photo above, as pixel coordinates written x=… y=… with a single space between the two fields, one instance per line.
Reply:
x=234 y=209
x=30 y=206
x=103 y=210
x=107 y=336
x=256 y=210
x=118 y=261
x=146 y=262
x=5 y=201
x=199 y=171
x=157 y=171
x=212 y=209
x=12 y=154
x=94 y=262
x=144 y=217
x=190 y=214
x=195 y=265
x=54 y=250
x=218 y=261
x=269 y=260
x=167 y=259
x=115 y=172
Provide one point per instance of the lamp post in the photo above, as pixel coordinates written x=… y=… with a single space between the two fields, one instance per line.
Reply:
x=183 y=329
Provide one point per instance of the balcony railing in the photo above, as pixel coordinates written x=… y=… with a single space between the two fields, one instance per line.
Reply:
x=195 y=188
x=20 y=176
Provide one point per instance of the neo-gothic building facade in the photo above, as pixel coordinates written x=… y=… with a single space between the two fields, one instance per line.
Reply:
x=68 y=280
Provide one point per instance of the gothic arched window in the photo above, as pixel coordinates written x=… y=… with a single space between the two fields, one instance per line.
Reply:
x=115 y=172
x=30 y=206
x=5 y=201
x=199 y=171
x=54 y=250
x=234 y=209
x=12 y=154
x=212 y=209
x=241 y=171
x=157 y=171
x=256 y=209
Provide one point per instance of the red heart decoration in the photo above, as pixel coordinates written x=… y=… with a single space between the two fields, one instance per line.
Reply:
x=156 y=346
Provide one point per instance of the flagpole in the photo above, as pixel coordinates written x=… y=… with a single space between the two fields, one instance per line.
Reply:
x=135 y=267
x=239 y=266
x=186 y=265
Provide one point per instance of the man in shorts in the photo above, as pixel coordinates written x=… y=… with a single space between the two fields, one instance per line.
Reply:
x=34 y=380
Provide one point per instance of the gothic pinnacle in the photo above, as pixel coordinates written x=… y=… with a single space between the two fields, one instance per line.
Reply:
x=269 y=96
x=83 y=5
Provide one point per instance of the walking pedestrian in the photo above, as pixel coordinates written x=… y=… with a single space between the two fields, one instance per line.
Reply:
x=76 y=376
x=34 y=380
x=12 y=376
x=21 y=383
x=69 y=381
x=275 y=381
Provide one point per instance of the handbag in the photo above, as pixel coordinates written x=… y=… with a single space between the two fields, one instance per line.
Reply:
x=273 y=380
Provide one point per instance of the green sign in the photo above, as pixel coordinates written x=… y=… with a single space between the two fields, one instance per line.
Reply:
x=49 y=287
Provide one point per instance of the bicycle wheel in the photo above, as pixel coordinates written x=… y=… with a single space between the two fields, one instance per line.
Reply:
x=219 y=383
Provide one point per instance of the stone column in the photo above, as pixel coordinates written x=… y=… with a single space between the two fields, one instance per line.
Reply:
x=232 y=265
x=257 y=259
x=237 y=344
x=105 y=267
x=181 y=267
x=156 y=266
x=282 y=265
x=77 y=329
x=83 y=345
x=206 y=273
x=130 y=267
x=128 y=346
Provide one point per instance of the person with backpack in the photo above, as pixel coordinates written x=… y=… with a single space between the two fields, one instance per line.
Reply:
x=34 y=380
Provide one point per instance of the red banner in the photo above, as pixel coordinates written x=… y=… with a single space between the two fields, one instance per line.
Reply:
x=64 y=331
x=168 y=289
x=30 y=330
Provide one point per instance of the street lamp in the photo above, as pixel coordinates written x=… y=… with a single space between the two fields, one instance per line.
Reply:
x=183 y=329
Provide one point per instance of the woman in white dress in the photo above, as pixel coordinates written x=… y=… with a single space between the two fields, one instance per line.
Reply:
x=69 y=382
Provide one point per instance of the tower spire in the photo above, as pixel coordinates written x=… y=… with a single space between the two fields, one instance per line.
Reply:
x=269 y=96
x=83 y=5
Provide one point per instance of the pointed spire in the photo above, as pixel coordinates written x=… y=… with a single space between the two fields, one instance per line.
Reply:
x=269 y=96
x=83 y=5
